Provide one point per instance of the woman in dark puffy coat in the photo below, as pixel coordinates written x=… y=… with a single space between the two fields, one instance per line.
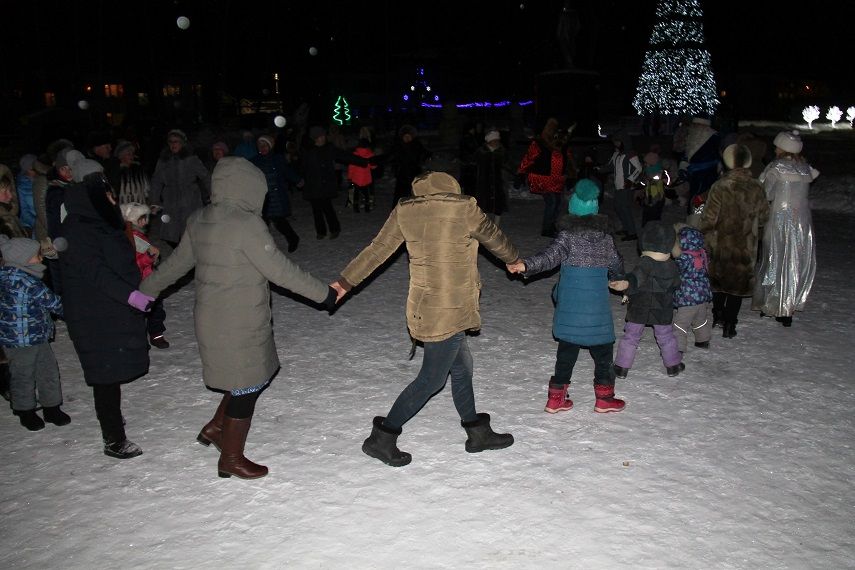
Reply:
x=277 y=202
x=103 y=308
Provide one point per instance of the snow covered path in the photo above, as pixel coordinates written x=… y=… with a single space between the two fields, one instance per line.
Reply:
x=744 y=461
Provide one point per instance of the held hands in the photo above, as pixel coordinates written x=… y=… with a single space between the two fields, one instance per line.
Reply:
x=621 y=285
x=340 y=291
x=516 y=266
x=153 y=251
x=140 y=301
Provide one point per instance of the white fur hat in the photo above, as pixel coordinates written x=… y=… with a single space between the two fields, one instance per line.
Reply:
x=788 y=141
x=133 y=211
x=492 y=135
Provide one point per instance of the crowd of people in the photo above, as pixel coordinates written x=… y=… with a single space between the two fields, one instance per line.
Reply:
x=76 y=246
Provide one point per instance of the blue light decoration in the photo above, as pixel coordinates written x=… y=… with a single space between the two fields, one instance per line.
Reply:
x=482 y=104
x=676 y=75
x=420 y=90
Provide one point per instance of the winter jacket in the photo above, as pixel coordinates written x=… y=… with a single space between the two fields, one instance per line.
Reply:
x=134 y=184
x=651 y=291
x=489 y=179
x=54 y=201
x=10 y=224
x=24 y=186
x=692 y=262
x=235 y=256
x=319 y=164
x=25 y=307
x=40 y=183
x=180 y=185
x=361 y=175
x=141 y=244
x=278 y=174
x=544 y=166
x=735 y=210
x=442 y=230
x=98 y=276
x=588 y=257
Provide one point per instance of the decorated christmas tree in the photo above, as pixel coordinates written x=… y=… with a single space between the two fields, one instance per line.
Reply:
x=341 y=111
x=676 y=76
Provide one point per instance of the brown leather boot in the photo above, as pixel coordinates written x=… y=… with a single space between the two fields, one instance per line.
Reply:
x=213 y=430
x=232 y=460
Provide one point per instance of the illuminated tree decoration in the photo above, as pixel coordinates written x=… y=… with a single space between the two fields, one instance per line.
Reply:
x=341 y=111
x=834 y=114
x=850 y=115
x=810 y=114
x=676 y=75
x=420 y=91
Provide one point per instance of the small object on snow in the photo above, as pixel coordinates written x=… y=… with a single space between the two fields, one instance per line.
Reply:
x=626 y=463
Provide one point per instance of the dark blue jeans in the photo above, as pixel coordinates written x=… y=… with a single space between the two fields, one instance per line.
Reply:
x=440 y=358
x=551 y=207
x=568 y=354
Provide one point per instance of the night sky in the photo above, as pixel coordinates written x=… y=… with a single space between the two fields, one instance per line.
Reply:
x=469 y=47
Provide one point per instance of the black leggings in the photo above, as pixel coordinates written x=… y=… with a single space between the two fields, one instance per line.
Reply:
x=108 y=409
x=243 y=406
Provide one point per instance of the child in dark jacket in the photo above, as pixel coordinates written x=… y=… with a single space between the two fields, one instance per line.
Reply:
x=25 y=331
x=692 y=300
x=588 y=257
x=650 y=287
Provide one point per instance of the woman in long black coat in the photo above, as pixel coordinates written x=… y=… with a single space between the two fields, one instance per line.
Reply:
x=103 y=308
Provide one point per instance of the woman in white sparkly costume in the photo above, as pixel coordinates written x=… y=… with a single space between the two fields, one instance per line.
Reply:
x=788 y=265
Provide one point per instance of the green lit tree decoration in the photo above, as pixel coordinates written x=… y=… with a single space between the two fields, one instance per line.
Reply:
x=341 y=111
x=676 y=76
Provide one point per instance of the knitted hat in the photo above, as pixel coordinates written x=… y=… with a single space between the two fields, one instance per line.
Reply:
x=133 y=211
x=27 y=161
x=55 y=147
x=435 y=183
x=314 y=133
x=18 y=251
x=177 y=133
x=122 y=147
x=268 y=140
x=658 y=237
x=584 y=200
x=788 y=141
x=736 y=156
x=85 y=167
x=222 y=146
x=492 y=135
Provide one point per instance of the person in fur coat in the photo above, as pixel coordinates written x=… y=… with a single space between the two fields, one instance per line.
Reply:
x=588 y=257
x=734 y=214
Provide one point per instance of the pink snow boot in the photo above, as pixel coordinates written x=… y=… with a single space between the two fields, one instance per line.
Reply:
x=606 y=401
x=558 y=400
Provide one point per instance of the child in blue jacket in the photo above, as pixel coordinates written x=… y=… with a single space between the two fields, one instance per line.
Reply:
x=588 y=257
x=25 y=331
x=692 y=300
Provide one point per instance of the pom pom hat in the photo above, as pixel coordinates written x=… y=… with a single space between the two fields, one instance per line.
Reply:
x=584 y=200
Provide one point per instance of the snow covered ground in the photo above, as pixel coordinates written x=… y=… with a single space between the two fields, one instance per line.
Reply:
x=744 y=461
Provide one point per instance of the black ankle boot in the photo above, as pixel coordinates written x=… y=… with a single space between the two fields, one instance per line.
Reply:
x=482 y=436
x=786 y=321
x=382 y=445
x=728 y=329
x=30 y=419
x=56 y=416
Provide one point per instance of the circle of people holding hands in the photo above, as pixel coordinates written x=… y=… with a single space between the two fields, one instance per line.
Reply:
x=75 y=246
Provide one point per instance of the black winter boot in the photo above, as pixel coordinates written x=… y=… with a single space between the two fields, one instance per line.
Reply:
x=728 y=329
x=382 y=444
x=30 y=419
x=482 y=436
x=56 y=416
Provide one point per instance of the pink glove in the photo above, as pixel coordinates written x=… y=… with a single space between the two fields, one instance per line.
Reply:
x=140 y=301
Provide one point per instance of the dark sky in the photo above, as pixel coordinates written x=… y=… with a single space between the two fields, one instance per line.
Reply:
x=489 y=46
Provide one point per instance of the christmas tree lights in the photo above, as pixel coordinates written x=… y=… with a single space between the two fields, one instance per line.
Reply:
x=341 y=111
x=676 y=75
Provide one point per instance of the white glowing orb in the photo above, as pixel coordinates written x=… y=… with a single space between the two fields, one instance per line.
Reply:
x=279 y=121
x=183 y=22
x=60 y=244
x=165 y=218
x=83 y=104
x=313 y=50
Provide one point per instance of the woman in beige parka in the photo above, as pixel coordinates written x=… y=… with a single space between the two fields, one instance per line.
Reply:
x=235 y=257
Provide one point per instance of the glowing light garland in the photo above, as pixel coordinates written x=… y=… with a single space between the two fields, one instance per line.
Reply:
x=676 y=75
x=341 y=109
x=479 y=104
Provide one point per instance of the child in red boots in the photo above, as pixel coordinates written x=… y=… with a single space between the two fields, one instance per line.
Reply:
x=588 y=257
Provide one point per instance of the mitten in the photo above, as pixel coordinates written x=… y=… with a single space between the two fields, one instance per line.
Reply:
x=140 y=301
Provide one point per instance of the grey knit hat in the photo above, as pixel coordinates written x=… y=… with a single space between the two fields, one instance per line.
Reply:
x=83 y=168
x=18 y=251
